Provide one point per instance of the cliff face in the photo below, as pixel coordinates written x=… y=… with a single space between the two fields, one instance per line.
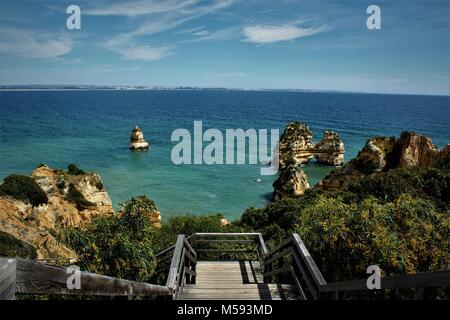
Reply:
x=330 y=150
x=296 y=148
x=384 y=153
x=73 y=200
x=292 y=182
x=296 y=143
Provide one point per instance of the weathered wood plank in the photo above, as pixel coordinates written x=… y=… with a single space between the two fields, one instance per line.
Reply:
x=174 y=265
x=7 y=278
x=279 y=255
x=309 y=261
x=432 y=279
x=38 y=278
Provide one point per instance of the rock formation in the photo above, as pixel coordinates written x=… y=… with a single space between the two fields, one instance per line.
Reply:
x=137 y=141
x=384 y=153
x=330 y=150
x=35 y=225
x=296 y=142
x=292 y=181
x=296 y=148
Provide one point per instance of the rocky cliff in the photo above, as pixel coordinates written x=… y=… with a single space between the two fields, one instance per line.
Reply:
x=296 y=142
x=73 y=200
x=292 y=182
x=330 y=150
x=384 y=153
x=296 y=148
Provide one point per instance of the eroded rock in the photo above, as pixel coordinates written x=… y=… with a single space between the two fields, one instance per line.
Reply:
x=383 y=153
x=137 y=141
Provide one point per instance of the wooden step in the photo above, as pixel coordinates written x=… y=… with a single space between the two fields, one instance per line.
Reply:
x=234 y=280
x=249 y=291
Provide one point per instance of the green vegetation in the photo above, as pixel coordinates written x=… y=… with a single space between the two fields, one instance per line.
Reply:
x=77 y=198
x=13 y=247
x=74 y=170
x=119 y=245
x=398 y=219
x=123 y=245
x=23 y=188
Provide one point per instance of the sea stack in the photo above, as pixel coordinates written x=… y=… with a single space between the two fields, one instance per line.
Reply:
x=330 y=150
x=137 y=141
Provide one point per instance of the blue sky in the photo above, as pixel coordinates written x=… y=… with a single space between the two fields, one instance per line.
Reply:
x=292 y=44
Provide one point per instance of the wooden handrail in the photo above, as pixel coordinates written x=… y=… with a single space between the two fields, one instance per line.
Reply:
x=28 y=276
x=183 y=262
x=430 y=279
x=32 y=277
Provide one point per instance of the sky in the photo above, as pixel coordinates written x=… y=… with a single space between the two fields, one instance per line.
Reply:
x=278 y=44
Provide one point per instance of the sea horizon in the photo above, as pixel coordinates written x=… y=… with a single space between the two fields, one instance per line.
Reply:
x=81 y=87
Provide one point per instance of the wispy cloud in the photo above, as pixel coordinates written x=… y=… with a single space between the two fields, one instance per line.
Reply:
x=139 y=8
x=143 y=53
x=231 y=74
x=163 y=16
x=206 y=35
x=275 y=33
x=31 y=44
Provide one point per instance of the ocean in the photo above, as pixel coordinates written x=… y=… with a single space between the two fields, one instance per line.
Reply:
x=91 y=128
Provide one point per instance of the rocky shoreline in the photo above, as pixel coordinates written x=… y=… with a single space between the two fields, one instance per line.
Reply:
x=379 y=154
x=73 y=198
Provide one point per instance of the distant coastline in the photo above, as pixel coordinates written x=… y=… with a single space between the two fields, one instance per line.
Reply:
x=184 y=88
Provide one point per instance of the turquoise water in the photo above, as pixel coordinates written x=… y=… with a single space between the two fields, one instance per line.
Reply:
x=92 y=129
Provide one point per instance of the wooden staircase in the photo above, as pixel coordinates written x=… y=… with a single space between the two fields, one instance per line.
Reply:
x=219 y=266
x=243 y=281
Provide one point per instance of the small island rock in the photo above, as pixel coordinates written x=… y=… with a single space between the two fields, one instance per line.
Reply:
x=137 y=141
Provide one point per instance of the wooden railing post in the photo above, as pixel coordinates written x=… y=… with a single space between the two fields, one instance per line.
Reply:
x=7 y=278
x=172 y=279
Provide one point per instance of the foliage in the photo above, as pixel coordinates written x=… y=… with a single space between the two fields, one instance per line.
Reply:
x=188 y=225
x=137 y=212
x=74 y=170
x=431 y=183
x=77 y=198
x=397 y=219
x=13 y=247
x=119 y=245
x=23 y=188
x=404 y=236
x=123 y=245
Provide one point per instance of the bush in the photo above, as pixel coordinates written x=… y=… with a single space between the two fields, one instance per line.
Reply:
x=10 y=246
x=77 y=198
x=110 y=245
x=405 y=236
x=23 y=188
x=137 y=212
x=74 y=170
x=397 y=219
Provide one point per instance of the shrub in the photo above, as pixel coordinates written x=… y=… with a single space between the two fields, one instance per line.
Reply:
x=10 y=246
x=77 y=198
x=74 y=170
x=405 y=236
x=137 y=212
x=23 y=188
x=110 y=245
